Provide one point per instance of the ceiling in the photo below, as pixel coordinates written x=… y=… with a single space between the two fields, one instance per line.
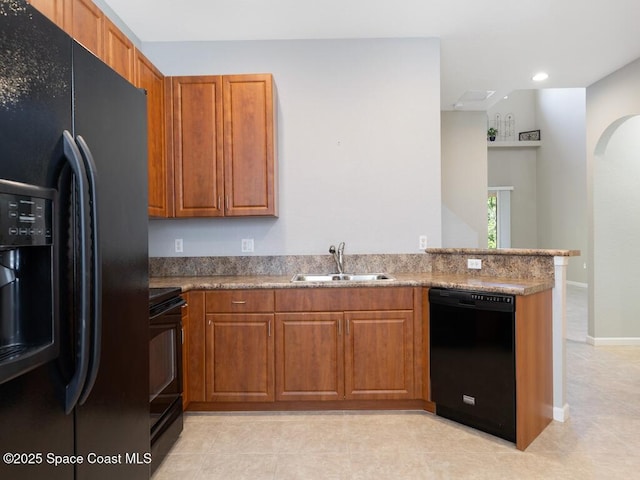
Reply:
x=485 y=46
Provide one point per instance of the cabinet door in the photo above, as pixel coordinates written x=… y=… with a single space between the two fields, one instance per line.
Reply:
x=151 y=80
x=310 y=358
x=379 y=355
x=249 y=156
x=87 y=25
x=52 y=9
x=197 y=130
x=240 y=360
x=119 y=52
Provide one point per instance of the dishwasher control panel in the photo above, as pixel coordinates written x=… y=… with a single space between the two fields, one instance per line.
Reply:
x=487 y=297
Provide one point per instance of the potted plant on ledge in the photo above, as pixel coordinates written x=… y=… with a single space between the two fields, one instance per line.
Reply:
x=491 y=134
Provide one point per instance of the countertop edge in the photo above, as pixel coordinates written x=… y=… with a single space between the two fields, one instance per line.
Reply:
x=486 y=284
x=506 y=251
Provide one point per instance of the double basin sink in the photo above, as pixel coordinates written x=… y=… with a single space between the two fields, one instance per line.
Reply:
x=341 y=277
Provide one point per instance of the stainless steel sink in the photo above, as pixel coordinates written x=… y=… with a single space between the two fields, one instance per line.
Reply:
x=341 y=277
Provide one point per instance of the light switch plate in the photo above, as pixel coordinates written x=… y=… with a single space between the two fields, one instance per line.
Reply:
x=247 y=245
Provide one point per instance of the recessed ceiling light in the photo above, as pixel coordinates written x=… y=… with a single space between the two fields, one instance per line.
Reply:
x=539 y=77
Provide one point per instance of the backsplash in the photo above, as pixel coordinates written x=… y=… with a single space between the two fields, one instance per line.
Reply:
x=507 y=263
x=286 y=264
x=503 y=266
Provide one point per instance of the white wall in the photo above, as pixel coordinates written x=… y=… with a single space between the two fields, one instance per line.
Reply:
x=562 y=175
x=519 y=103
x=612 y=169
x=464 y=179
x=358 y=141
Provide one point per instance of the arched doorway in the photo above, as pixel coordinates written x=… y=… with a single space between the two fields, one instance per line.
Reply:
x=614 y=312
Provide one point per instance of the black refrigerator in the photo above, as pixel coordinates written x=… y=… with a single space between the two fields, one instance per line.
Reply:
x=74 y=332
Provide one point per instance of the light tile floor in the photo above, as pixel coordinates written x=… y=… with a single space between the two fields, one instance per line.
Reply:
x=601 y=440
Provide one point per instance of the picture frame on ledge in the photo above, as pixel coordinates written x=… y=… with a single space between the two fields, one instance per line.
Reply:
x=529 y=136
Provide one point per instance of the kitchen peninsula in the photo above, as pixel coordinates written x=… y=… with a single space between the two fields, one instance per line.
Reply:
x=250 y=305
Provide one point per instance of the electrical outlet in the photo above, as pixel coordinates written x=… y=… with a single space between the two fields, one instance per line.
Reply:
x=179 y=245
x=246 y=245
x=474 y=263
x=422 y=242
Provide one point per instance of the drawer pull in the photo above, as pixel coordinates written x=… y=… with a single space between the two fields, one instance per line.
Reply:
x=238 y=302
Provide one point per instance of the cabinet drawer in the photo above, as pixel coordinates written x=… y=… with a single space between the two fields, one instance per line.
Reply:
x=238 y=301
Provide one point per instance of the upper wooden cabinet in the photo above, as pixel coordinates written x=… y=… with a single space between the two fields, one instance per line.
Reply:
x=249 y=153
x=119 y=52
x=148 y=77
x=197 y=146
x=52 y=9
x=223 y=151
x=86 y=25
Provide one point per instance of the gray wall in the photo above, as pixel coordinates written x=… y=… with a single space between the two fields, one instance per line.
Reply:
x=613 y=174
x=358 y=139
x=464 y=179
x=562 y=175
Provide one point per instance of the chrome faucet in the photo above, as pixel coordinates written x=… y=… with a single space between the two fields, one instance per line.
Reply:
x=338 y=256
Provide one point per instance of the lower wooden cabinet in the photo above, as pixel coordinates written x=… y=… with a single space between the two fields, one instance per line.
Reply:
x=298 y=345
x=344 y=355
x=310 y=356
x=239 y=353
x=379 y=357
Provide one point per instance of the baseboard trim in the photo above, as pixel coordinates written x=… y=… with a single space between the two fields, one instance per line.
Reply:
x=613 y=341
x=577 y=284
x=561 y=414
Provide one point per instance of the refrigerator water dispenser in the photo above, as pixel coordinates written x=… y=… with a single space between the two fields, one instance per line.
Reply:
x=28 y=318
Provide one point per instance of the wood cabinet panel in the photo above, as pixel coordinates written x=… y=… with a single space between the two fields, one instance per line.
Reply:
x=160 y=173
x=534 y=366
x=197 y=146
x=196 y=362
x=119 y=52
x=310 y=358
x=249 y=156
x=240 y=358
x=185 y=352
x=52 y=9
x=86 y=25
x=239 y=301
x=379 y=355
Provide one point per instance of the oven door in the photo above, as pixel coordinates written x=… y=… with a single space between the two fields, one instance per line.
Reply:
x=165 y=366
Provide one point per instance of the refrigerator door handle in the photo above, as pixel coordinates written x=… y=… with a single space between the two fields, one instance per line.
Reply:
x=96 y=314
x=76 y=384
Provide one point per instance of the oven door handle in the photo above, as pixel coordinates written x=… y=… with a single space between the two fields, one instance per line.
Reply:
x=159 y=313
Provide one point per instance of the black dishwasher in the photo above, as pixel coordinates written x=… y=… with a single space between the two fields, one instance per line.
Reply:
x=472 y=359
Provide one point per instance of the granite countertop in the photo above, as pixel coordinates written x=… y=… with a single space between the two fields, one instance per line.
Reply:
x=487 y=284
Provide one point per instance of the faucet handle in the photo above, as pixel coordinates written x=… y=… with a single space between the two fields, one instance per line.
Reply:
x=332 y=249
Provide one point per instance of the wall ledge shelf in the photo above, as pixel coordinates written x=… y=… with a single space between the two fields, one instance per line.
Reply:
x=523 y=144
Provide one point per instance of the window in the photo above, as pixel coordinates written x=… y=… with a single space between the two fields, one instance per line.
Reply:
x=499 y=217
